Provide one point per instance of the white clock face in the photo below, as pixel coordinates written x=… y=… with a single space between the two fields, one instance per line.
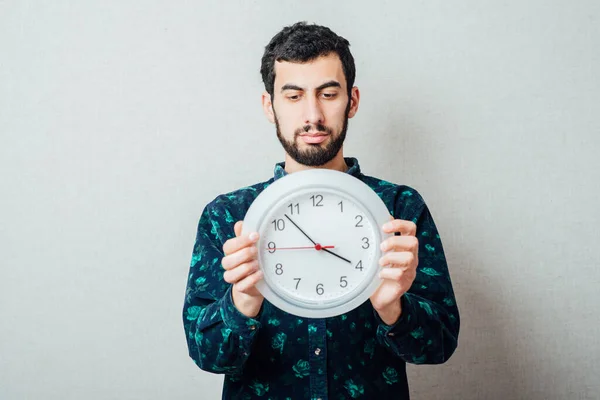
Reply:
x=319 y=247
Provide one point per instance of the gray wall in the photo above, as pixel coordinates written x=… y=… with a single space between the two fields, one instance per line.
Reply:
x=114 y=117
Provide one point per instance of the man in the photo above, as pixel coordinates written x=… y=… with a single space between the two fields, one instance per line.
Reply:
x=265 y=353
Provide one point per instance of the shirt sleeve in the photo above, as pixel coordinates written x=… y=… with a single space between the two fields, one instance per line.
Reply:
x=427 y=330
x=219 y=336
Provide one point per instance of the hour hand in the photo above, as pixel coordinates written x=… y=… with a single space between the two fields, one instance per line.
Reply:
x=317 y=246
x=337 y=255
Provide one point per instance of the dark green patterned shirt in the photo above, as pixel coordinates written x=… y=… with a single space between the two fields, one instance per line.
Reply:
x=352 y=356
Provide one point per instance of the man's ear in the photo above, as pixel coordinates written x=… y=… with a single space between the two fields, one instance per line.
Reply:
x=354 y=100
x=268 y=107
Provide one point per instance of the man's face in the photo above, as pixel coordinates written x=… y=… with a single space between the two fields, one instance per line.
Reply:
x=311 y=109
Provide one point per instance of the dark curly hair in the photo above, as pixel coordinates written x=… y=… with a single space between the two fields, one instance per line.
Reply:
x=302 y=43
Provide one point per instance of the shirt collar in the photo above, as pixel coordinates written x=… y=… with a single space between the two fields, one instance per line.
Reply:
x=351 y=162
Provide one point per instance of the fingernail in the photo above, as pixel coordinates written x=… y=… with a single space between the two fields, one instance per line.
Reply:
x=383 y=247
x=387 y=226
x=253 y=236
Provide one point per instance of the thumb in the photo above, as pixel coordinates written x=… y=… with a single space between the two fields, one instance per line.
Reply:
x=237 y=228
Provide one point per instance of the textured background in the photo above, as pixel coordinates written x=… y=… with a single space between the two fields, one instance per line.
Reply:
x=115 y=116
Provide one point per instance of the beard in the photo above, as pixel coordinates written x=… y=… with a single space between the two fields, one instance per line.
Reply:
x=315 y=155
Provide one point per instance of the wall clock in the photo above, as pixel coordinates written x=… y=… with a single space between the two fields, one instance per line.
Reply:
x=319 y=247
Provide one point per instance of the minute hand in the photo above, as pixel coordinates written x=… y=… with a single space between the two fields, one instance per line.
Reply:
x=300 y=229
x=313 y=242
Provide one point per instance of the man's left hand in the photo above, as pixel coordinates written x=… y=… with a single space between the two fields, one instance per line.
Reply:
x=400 y=260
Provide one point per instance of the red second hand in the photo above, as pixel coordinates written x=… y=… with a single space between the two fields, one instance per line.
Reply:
x=316 y=247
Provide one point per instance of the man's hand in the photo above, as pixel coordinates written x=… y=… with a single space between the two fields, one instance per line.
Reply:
x=401 y=258
x=241 y=270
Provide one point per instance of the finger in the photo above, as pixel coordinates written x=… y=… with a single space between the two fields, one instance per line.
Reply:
x=392 y=274
x=403 y=260
x=249 y=282
x=237 y=228
x=235 y=244
x=240 y=272
x=401 y=243
x=398 y=275
x=239 y=257
x=405 y=227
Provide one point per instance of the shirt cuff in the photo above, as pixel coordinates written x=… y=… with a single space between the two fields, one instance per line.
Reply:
x=405 y=324
x=235 y=320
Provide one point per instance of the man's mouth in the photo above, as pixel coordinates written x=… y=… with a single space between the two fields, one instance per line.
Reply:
x=314 y=138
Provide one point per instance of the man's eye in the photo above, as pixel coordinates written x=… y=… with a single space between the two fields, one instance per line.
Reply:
x=329 y=95
x=294 y=97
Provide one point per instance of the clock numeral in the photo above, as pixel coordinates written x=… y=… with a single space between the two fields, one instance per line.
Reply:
x=359 y=218
x=278 y=224
x=343 y=281
x=320 y=289
x=279 y=269
x=365 y=243
x=341 y=204
x=298 y=281
x=317 y=200
x=359 y=265
x=272 y=247
x=291 y=206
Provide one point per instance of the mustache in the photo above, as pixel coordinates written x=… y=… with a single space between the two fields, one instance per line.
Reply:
x=308 y=128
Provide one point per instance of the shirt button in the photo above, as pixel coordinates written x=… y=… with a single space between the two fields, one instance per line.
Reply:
x=391 y=334
x=317 y=351
x=252 y=327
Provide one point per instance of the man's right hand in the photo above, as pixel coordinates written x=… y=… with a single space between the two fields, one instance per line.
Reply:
x=241 y=270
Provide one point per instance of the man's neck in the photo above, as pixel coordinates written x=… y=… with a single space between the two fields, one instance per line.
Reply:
x=337 y=163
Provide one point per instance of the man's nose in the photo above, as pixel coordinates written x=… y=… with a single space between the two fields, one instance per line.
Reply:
x=313 y=112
